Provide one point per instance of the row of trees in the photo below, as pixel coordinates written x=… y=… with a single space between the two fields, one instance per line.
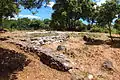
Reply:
x=35 y=24
x=27 y=24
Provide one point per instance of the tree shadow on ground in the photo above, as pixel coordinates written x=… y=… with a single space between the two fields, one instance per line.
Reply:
x=94 y=42
x=11 y=62
x=114 y=44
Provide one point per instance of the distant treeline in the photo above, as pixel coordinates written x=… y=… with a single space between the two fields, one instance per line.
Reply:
x=47 y=24
x=26 y=24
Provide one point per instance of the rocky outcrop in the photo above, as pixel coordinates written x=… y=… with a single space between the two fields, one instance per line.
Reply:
x=53 y=59
x=59 y=62
x=49 y=39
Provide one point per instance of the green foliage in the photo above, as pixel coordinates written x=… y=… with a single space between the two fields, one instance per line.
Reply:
x=8 y=8
x=35 y=24
x=118 y=32
x=99 y=29
x=67 y=12
x=27 y=24
x=117 y=24
x=66 y=15
x=114 y=31
x=47 y=24
x=30 y=4
x=107 y=12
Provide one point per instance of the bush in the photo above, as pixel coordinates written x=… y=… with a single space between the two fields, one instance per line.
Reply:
x=118 y=31
x=114 y=31
x=117 y=26
x=98 y=29
x=95 y=29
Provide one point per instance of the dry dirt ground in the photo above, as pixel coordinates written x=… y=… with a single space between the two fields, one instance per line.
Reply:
x=88 y=58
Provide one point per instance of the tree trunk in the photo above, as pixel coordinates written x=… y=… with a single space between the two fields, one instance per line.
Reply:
x=109 y=28
x=1 y=22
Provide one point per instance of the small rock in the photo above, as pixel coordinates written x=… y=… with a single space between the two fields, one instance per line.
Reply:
x=42 y=43
x=90 y=77
x=60 y=47
x=88 y=39
x=108 y=65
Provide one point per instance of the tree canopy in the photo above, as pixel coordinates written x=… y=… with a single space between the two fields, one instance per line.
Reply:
x=67 y=12
x=108 y=12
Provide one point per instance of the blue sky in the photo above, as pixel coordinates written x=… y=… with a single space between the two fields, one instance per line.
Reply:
x=44 y=12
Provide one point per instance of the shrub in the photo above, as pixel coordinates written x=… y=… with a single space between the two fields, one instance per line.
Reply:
x=99 y=29
x=118 y=31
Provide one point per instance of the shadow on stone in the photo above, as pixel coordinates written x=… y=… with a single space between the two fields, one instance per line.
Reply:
x=95 y=42
x=10 y=62
x=116 y=44
x=92 y=41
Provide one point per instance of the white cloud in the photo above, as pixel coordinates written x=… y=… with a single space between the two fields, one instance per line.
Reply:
x=50 y=4
x=28 y=16
x=13 y=18
x=99 y=2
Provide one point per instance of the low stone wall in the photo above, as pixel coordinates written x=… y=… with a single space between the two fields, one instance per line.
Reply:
x=53 y=59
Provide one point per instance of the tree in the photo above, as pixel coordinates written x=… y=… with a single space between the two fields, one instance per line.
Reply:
x=36 y=24
x=23 y=23
x=67 y=12
x=30 y=4
x=91 y=17
x=107 y=12
x=8 y=8
x=47 y=24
